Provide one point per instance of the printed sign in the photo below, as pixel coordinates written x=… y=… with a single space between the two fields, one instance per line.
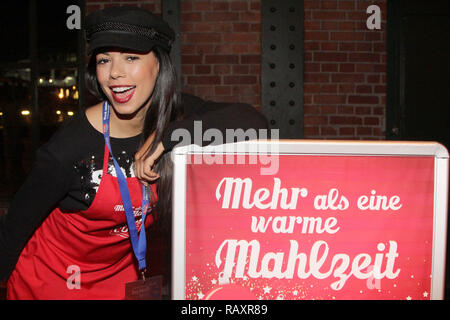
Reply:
x=322 y=227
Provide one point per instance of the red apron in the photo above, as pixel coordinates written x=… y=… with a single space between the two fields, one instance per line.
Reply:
x=94 y=242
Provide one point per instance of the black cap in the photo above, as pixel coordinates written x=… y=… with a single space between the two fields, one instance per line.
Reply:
x=129 y=28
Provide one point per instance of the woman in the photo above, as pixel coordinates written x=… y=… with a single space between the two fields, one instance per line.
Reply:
x=67 y=232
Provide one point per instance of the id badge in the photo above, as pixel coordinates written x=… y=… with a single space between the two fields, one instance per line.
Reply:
x=144 y=289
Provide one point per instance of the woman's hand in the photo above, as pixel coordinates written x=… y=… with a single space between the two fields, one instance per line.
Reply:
x=143 y=167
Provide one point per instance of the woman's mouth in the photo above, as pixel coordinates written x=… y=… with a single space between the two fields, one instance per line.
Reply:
x=122 y=94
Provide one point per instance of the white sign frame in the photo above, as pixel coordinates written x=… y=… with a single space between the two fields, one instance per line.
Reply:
x=314 y=147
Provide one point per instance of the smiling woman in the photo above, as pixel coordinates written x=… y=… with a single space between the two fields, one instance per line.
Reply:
x=127 y=80
x=86 y=182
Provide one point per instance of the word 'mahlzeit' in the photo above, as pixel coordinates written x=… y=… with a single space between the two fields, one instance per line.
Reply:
x=239 y=258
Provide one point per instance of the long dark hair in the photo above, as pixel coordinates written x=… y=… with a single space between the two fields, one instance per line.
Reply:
x=165 y=107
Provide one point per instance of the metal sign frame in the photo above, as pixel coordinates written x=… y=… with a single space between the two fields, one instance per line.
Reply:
x=315 y=147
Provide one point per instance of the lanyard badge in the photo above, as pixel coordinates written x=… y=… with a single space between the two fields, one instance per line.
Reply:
x=144 y=288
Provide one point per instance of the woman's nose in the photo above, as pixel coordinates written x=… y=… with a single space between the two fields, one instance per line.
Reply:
x=117 y=70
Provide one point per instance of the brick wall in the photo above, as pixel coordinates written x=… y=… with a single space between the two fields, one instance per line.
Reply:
x=344 y=78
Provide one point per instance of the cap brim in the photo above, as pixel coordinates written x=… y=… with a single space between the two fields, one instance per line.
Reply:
x=128 y=41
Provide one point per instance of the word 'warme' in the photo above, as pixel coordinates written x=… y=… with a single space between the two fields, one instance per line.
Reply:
x=237 y=189
x=274 y=264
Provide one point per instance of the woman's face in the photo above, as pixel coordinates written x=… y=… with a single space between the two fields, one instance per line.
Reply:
x=127 y=79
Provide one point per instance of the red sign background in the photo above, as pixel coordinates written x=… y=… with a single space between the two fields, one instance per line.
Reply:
x=323 y=227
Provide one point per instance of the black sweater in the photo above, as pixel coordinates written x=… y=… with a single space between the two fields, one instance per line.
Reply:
x=68 y=168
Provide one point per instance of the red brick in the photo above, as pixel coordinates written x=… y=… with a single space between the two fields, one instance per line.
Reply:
x=240 y=69
x=315 y=120
x=214 y=59
x=241 y=27
x=239 y=80
x=222 y=90
x=347 y=46
x=347 y=77
x=240 y=37
x=364 y=57
x=310 y=131
x=316 y=35
x=347 y=25
x=239 y=6
x=202 y=5
x=345 y=120
x=371 y=121
x=222 y=69
x=312 y=67
x=346 y=5
x=347 y=36
x=221 y=16
x=204 y=37
x=249 y=59
x=329 y=99
x=328 y=4
x=363 y=99
x=220 y=6
x=311 y=4
x=364 y=67
x=345 y=109
x=191 y=59
x=330 y=56
x=329 y=67
x=346 y=88
x=328 y=110
x=347 y=131
x=330 y=25
x=202 y=69
x=346 y=67
x=249 y=16
x=328 y=15
x=363 y=110
x=312 y=25
x=316 y=77
x=329 y=46
x=380 y=89
x=199 y=80
x=328 y=88
x=373 y=78
x=361 y=131
x=191 y=16
x=311 y=109
x=363 y=89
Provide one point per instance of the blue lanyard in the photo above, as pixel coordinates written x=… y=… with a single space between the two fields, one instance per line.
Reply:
x=138 y=239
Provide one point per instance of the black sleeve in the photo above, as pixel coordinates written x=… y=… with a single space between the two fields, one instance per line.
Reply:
x=40 y=193
x=213 y=115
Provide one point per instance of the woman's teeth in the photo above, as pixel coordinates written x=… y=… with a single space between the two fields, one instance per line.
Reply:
x=122 y=89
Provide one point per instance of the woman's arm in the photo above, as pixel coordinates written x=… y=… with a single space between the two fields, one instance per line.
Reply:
x=42 y=190
x=199 y=116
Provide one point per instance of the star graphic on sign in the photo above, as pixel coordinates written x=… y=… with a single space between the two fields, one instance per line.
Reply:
x=200 y=295
x=267 y=289
x=295 y=292
x=194 y=278
x=425 y=294
x=408 y=298
x=213 y=281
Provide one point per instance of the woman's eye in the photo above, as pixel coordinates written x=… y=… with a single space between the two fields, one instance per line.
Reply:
x=102 y=61
x=132 y=58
